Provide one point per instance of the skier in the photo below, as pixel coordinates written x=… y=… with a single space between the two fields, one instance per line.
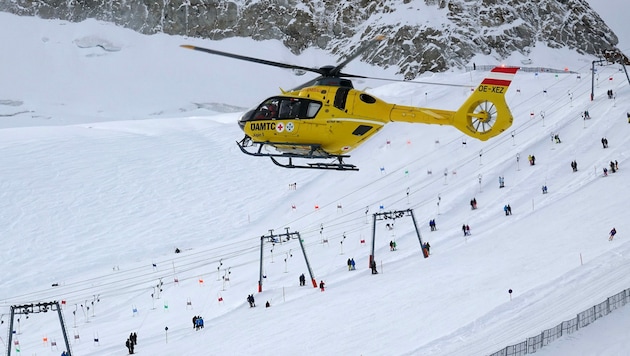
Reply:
x=373 y=267
x=605 y=172
x=468 y=230
x=464 y=229
x=428 y=247
x=129 y=345
x=194 y=320
x=302 y=280
x=321 y=285
x=267 y=305
x=612 y=166
x=509 y=209
x=352 y=264
x=613 y=232
x=505 y=210
x=349 y=265
x=199 y=323
x=134 y=338
x=544 y=189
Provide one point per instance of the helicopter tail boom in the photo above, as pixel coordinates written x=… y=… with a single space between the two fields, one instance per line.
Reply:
x=484 y=115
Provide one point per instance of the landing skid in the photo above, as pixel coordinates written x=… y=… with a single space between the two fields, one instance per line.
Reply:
x=310 y=152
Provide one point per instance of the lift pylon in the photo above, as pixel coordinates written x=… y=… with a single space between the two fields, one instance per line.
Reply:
x=38 y=308
x=393 y=215
x=285 y=237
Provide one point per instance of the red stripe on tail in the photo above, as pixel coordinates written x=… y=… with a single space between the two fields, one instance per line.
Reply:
x=490 y=81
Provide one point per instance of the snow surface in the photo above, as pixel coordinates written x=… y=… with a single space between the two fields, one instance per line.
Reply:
x=118 y=148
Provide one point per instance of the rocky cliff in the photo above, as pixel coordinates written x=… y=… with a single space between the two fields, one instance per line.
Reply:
x=422 y=35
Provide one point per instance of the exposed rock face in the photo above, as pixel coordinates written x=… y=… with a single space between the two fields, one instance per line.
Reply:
x=429 y=35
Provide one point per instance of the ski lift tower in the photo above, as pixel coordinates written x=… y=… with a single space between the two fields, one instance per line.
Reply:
x=286 y=237
x=38 y=308
x=394 y=215
x=612 y=56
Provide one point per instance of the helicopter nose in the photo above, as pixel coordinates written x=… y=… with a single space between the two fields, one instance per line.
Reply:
x=246 y=117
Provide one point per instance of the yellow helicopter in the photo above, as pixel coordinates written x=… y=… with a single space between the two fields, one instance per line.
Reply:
x=326 y=118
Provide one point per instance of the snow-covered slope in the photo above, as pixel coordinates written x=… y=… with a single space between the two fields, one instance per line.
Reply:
x=108 y=164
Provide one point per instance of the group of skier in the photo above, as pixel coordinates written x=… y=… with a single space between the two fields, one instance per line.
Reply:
x=351 y=265
x=432 y=225
x=197 y=322
x=131 y=342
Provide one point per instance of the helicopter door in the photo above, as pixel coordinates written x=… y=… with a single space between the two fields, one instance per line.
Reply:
x=341 y=97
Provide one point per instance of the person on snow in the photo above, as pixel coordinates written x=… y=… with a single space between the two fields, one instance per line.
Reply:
x=349 y=265
x=505 y=210
x=194 y=320
x=613 y=232
x=321 y=285
x=302 y=280
x=427 y=246
x=352 y=264
x=468 y=230
x=604 y=142
x=509 y=209
x=134 y=338
x=199 y=323
x=373 y=267
x=464 y=229
x=544 y=189
x=267 y=305
x=250 y=300
x=129 y=345
x=605 y=171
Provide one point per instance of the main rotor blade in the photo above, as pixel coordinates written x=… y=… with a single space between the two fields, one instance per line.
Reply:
x=416 y=82
x=252 y=59
x=335 y=71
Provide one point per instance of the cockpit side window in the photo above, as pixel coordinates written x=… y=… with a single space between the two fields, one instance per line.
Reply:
x=297 y=108
x=313 y=108
x=290 y=108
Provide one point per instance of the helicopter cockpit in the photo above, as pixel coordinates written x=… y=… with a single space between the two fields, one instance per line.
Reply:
x=282 y=108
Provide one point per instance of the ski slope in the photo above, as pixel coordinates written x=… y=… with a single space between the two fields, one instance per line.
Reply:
x=112 y=159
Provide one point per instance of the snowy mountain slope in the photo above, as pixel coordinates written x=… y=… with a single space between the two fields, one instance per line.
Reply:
x=421 y=36
x=93 y=206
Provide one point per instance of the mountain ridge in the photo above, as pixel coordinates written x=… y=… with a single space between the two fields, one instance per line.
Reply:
x=432 y=35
